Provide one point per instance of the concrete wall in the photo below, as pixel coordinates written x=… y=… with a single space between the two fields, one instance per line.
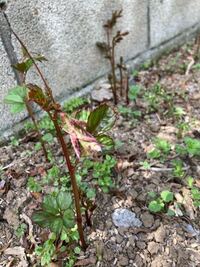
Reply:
x=66 y=31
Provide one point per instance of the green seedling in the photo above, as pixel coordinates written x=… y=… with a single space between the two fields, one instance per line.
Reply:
x=146 y=65
x=179 y=112
x=20 y=231
x=192 y=146
x=56 y=214
x=178 y=170
x=14 y=141
x=161 y=203
x=145 y=165
x=129 y=112
x=74 y=104
x=33 y=185
x=163 y=146
x=195 y=192
x=161 y=150
x=47 y=251
x=183 y=127
x=133 y=92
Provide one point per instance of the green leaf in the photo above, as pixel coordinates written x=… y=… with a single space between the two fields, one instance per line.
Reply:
x=57 y=225
x=95 y=117
x=154 y=154
x=17 y=95
x=17 y=108
x=163 y=145
x=91 y=193
x=64 y=236
x=170 y=212
x=24 y=66
x=64 y=200
x=190 y=181
x=133 y=92
x=77 y=250
x=167 y=196
x=105 y=140
x=152 y=194
x=50 y=205
x=68 y=218
x=48 y=137
x=192 y=146
x=155 y=206
x=43 y=218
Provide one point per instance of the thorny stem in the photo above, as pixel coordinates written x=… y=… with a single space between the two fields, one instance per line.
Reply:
x=127 y=89
x=73 y=179
x=113 y=72
x=111 y=55
x=47 y=88
x=121 y=75
x=20 y=81
x=62 y=143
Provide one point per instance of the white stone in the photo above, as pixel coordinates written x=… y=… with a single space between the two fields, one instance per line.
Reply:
x=125 y=218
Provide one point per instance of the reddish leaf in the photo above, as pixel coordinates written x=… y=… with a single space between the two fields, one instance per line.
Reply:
x=79 y=136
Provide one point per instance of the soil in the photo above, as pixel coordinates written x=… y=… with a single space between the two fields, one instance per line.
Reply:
x=162 y=240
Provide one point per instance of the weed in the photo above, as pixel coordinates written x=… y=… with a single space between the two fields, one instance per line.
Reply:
x=195 y=192
x=145 y=165
x=183 y=127
x=108 y=48
x=73 y=104
x=47 y=251
x=19 y=232
x=161 y=150
x=57 y=213
x=14 y=141
x=161 y=202
x=86 y=139
x=129 y=113
x=133 y=92
x=100 y=171
x=146 y=65
x=192 y=146
x=178 y=170
x=33 y=186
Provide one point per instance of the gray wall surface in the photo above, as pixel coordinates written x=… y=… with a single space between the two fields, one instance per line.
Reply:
x=66 y=31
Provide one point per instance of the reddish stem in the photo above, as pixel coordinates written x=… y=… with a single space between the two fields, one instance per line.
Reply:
x=73 y=179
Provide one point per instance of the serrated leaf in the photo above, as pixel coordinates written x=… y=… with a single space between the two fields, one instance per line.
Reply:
x=64 y=236
x=16 y=108
x=48 y=137
x=64 y=200
x=155 y=206
x=37 y=95
x=133 y=92
x=57 y=225
x=50 y=205
x=91 y=193
x=68 y=218
x=43 y=218
x=167 y=196
x=79 y=136
x=95 y=118
x=16 y=95
x=23 y=66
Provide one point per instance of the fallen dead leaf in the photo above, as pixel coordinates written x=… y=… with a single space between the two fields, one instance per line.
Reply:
x=84 y=262
x=18 y=251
